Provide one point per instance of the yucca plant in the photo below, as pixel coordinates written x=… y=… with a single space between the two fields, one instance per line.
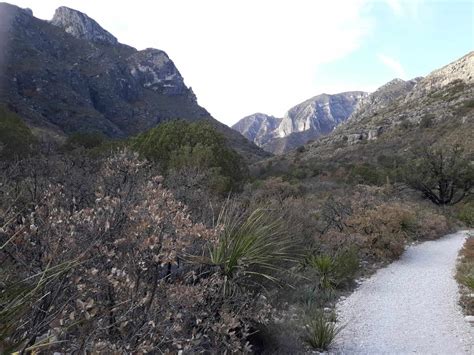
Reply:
x=252 y=246
x=321 y=330
x=325 y=267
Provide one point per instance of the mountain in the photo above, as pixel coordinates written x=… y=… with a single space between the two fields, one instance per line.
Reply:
x=436 y=109
x=71 y=75
x=259 y=127
x=306 y=121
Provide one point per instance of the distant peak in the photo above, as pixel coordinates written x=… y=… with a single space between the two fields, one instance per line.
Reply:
x=81 y=26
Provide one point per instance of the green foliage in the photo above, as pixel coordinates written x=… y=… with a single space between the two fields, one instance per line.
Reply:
x=180 y=144
x=321 y=330
x=16 y=139
x=335 y=270
x=466 y=214
x=251 y=246
x=368 y=174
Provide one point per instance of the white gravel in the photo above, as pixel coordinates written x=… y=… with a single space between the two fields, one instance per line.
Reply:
x=411 y=306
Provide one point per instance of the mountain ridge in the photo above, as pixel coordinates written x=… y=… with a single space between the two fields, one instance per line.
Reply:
x=68 y=75
x=305 y=121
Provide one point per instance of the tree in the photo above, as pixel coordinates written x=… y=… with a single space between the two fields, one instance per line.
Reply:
x=443 y=175
x=180 y=145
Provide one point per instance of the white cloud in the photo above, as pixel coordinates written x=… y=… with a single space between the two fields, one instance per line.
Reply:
x=241 y=56
x=393 y=64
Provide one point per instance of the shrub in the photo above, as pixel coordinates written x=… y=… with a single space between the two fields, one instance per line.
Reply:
x=84 y=140
x=384 y=229
x=180 y=144
x=114 y=276
x=253 y=246
x=321 y=330
x=16 y=139
x=335 y=270
x=466 y=214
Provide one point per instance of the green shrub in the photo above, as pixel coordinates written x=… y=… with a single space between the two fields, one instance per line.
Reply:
x=466 y=214
x=367 y=174
x=324 y=266
x=180 y=144
x=16 y=139
x=335 y=270
x=321 y=330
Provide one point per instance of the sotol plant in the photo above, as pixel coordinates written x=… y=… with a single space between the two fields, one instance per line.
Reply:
x=254 y=246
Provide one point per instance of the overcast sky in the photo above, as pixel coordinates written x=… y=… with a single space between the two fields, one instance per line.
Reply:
x=247 y=56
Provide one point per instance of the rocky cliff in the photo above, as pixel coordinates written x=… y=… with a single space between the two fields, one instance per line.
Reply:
x=306 y=121
x=437 y=108
x=70 y=74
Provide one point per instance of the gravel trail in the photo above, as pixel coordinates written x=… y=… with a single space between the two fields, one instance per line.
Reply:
x=411 y=306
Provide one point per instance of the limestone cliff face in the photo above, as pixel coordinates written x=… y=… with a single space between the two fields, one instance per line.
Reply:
x=306 y=121
x=259 y=128
x=81 y=26
x=69 y=75
x=436 y=108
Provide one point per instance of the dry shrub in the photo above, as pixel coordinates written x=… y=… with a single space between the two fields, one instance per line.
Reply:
x=113 y=278
x=385 y=228
x=432 y=225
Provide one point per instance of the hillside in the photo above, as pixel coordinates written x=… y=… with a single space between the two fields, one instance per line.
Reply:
x=436 y=109
x=71 y=75
x=309 y=120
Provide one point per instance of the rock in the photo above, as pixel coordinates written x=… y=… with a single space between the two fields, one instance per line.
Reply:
x=259 y=127
x=92 y=83
x=306 y=121
x=154 y=70
x=81 y=26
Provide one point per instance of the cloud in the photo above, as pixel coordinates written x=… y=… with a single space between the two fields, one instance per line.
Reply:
x=393 y=64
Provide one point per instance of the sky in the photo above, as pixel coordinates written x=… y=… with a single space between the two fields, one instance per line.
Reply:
x=247 y=56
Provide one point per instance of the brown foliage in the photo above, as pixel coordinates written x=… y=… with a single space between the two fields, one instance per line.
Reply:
x=113 y=276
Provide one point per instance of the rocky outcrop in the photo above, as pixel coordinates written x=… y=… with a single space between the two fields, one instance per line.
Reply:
x=153 y=69
x=81 y=26
x=320 y=114
x=436 y=109
x=259 y=128
x=383 y=97
x=71 y=75
x=306 y=121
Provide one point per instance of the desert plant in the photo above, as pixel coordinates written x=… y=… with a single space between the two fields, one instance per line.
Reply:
x=253 y=245
x=324 y=266
x=321 y=330
x=445 y=176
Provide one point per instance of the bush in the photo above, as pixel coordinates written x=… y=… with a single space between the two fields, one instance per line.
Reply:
x=180 y=144
x=336 y=270
x=466 y=214
x=16 y=139
x=114 y=276
x=253 y=246
x=321 y=330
